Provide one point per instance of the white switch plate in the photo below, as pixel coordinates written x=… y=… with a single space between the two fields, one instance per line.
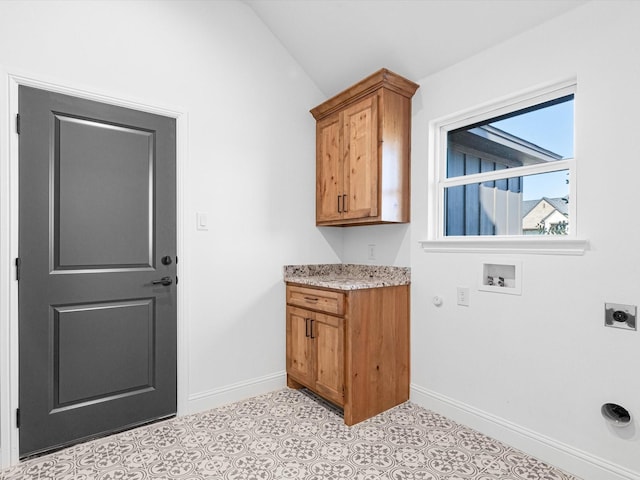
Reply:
x=202 y=221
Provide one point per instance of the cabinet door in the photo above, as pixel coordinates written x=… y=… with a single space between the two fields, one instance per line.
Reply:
x=360 y=159
x=299 y=346
x=329 y=193
x=328 y=335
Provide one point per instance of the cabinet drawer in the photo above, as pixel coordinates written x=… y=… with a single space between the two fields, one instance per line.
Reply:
x=315 y=299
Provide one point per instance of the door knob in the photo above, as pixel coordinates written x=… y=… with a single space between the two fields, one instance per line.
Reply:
x=166 y=281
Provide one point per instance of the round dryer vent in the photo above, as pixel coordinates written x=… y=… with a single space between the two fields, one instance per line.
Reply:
x=616 y=415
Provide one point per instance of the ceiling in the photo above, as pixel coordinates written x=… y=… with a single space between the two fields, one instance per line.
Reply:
x=339 y=42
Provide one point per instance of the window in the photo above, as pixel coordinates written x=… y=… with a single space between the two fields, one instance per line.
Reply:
x=507 y=171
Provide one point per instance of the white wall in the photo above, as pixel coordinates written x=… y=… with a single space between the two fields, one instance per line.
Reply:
x=250 y=162
x=535 y=369
x=391 y=244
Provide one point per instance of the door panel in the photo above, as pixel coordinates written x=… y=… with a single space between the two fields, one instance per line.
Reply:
x=328 y=335
x=97 y=213
x=328 y=173
x=361 y=158
x=102 y=350
x=299 y=361
x=86 y=153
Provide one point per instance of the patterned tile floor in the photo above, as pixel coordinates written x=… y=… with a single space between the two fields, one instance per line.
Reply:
x=289 y=434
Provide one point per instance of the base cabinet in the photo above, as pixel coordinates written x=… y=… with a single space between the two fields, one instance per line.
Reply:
x=350 y=347
x=316 y=352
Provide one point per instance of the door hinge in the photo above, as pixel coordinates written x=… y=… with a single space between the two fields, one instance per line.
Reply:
x=176 y=279
x=18 y=262
x=17 y=418
x=18 y=123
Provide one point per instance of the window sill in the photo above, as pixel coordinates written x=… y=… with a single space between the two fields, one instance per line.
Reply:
x=541 y=246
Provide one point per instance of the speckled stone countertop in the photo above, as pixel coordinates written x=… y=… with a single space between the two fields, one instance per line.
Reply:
x=347 y=276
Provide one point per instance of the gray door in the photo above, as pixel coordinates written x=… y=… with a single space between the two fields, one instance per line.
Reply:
x=97 y=233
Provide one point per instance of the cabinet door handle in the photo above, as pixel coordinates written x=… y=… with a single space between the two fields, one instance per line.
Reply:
x=339 y=203
x=344 y=202
x=311 y=329
x=306 y=327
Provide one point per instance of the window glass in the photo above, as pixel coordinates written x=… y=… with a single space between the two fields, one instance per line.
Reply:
x=518 y=166
x=528 y=205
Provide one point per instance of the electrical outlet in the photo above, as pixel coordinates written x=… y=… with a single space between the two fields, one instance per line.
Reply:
x=371 y=251
x=620 y=316
x=463 y=296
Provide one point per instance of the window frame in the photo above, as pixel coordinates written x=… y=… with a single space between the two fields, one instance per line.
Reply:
x=569 y=244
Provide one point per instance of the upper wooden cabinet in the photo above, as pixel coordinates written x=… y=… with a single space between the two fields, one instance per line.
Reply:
x=363 y=143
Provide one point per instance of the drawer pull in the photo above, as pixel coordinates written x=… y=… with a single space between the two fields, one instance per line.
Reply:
x=311 y=299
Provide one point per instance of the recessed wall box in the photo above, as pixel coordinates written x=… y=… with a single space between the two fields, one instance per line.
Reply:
x=501 y=277
x=618 y=315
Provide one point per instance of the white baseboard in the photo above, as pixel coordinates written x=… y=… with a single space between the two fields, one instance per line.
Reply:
x=202 y=401
x=566 y=457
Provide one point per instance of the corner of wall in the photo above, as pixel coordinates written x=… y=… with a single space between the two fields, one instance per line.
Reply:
x=533 y=443
x=235 y=392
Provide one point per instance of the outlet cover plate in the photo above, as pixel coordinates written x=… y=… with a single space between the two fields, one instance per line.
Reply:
x=618 y=315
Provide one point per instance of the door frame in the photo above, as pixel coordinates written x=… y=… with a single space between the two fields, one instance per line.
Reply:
x=9 y=378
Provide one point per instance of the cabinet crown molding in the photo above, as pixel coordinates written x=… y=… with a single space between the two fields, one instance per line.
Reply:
x=383 y=78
